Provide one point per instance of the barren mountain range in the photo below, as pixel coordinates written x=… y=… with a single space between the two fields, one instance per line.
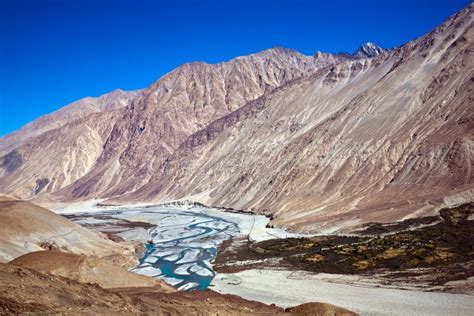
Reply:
x=320 y=143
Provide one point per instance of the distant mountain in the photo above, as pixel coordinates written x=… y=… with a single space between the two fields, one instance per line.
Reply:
x=325 y=142
x=110 y=101
x=369 y=50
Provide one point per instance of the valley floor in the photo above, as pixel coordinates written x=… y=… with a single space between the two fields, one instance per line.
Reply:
x=288 y=288
x=281 y=284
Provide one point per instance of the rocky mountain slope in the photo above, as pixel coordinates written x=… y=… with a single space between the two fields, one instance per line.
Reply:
x=364 y=140
x=327 y=142
x=84 y=107
x=112 y=152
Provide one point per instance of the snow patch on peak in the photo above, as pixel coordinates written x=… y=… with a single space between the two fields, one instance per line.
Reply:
x=369 y=50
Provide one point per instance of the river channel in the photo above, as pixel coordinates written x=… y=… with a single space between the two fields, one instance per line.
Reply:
x=180 y=244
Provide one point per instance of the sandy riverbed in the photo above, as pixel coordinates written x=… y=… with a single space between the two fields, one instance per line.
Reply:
x=287 y=288
x=252 y=225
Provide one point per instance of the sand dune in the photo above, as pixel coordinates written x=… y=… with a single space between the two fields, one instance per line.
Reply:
x=26 y=227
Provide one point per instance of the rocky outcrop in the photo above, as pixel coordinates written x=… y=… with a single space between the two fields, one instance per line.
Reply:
x=87 y=269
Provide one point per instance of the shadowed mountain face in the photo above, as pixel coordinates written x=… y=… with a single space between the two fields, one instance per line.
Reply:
x=327 y=142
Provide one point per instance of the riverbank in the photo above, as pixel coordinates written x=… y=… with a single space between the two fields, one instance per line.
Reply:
x=180 y=242
x=434 y=254
x=289 y=288
x=255 y=227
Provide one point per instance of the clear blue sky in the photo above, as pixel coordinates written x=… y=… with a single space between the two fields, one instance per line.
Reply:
x=54 y=52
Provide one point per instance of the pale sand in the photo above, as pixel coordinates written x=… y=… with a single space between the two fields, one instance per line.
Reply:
x=252 y=225
x=286 y=289
x=274 y=287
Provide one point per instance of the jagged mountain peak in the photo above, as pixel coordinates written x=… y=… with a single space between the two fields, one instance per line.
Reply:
x=277 y=53
x=369 y=50
x=282 y=49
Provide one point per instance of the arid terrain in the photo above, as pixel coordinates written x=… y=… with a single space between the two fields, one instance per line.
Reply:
x=53 y=281
x=428 y=253
x=23 y=291
x=270 y=183
x=26 y=227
